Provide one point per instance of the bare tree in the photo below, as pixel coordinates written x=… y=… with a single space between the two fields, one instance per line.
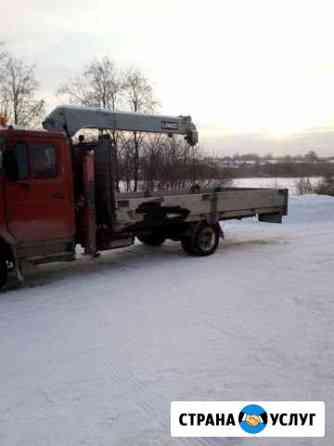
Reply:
x=125 y=160
x=101 y=86
x=325 y=185
x=18 y=90
x=303 y=186
x=152 y=160
x=311 y=156
x=138 y=97
x=3 y=57
x=157 y=160
x=138 y=92
x=172 y=164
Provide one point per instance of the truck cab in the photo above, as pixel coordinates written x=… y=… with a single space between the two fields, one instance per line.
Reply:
x=36 y=195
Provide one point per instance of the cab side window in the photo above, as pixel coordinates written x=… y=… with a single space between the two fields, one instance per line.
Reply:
x=15 y=162
x=43 y=160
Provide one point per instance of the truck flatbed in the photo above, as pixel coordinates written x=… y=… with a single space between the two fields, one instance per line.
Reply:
x=212 y=206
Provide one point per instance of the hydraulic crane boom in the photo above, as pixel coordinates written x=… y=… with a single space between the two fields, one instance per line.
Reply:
x=73 y=118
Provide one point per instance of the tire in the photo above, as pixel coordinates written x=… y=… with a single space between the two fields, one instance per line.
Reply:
x=153 y=239
x=204 y=241
x=3 y=273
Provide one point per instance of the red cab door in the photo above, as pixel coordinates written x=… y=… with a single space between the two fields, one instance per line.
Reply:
x=38 y=191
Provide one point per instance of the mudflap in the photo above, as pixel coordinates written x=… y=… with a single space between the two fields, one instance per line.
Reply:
x=271 y=218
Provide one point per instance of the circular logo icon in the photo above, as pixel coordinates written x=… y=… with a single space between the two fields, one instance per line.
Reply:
x=253 y=419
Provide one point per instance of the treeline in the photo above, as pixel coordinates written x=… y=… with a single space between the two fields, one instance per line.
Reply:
x=309 y=164
x=167 y=163
x=142 y=161
x=282 y=169
x=310 y=156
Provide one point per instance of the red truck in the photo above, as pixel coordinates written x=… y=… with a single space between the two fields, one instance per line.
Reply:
x=55 y=194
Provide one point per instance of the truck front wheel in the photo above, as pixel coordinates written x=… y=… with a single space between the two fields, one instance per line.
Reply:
x=204 y=240
x=3 y=273
x=152 y=239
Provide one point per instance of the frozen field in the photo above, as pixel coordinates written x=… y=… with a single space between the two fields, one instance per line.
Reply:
x=92 y=353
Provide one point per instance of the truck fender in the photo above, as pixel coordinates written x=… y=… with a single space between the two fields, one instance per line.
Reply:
x=192 y=229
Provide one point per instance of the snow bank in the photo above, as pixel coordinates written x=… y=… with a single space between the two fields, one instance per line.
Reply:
x=92 y=353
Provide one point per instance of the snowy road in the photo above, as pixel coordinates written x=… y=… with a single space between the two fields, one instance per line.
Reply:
x=93 y=353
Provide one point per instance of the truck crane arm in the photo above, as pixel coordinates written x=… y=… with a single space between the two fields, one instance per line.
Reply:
x=71 y=119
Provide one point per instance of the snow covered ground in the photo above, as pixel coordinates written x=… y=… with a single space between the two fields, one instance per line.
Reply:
x=276 y=182
x=92 y=353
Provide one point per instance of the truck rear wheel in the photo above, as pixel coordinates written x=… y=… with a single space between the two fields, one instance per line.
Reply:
x=204 y=240
x=3 y=273
x=152 y=239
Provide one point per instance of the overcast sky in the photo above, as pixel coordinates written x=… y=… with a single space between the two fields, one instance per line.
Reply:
x=256 y=75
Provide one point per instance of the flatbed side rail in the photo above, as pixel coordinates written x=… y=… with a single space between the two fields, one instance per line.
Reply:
x=229 y=203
